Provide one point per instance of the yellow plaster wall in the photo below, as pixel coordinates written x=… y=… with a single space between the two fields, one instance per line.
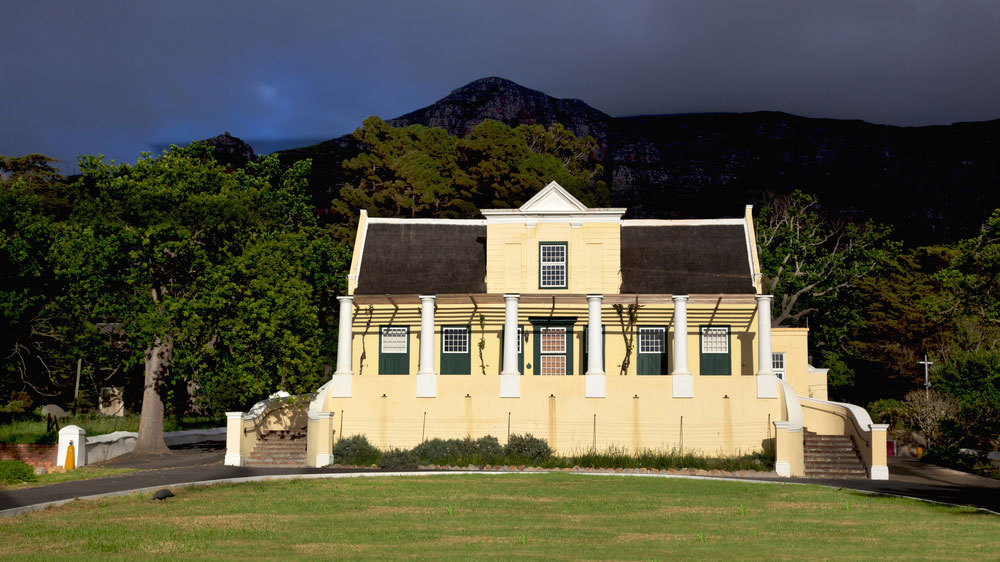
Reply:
x=505 y=273
x=794 y=342
x=724 y=417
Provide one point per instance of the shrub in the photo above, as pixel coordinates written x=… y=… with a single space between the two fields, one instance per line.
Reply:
x=890 y=411
x=13 y=472
x=527 y=448
x=398 y=459
x=489 y=450
x=926 y=411
x=438 y=451
x=460 y=452
x=355 y=450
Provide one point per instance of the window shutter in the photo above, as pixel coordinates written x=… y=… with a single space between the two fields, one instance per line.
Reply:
x=715 y=363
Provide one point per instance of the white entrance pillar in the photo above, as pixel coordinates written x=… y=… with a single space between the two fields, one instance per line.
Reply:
x=510 y=377
x=595 y=354
x=426 y=375
x=342 y=377
x=767 y=382
x=683 y=382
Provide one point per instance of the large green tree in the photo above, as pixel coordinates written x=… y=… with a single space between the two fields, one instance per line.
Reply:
x=813 y=263
x=419 y=171
x=211 y=274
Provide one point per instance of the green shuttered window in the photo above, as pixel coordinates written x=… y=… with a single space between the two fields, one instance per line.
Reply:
x=652 y=357
x=456 y=355
x=394 y=350
x=716 y=358
x=553 y=347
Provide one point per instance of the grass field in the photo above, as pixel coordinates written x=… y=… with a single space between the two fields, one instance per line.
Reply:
x=82 y=473
x=459 y=517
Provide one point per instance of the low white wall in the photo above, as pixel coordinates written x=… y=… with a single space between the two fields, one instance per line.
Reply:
x=104 y=447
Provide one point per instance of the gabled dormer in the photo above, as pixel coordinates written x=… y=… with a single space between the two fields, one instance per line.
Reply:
x=553 y=244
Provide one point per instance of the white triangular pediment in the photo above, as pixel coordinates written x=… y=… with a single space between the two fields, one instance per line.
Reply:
x=553 y=198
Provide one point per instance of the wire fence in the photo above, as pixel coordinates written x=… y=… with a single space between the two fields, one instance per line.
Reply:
x=566 y=436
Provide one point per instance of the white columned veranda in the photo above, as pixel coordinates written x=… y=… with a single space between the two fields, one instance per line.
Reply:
x=683 y=382
x=767 y=382
x=426 y=375
x=510 y=377
x=595 y=353
x=342 y=377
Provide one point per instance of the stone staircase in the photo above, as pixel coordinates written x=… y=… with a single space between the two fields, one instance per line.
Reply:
x=831 y=456
x=285 y=448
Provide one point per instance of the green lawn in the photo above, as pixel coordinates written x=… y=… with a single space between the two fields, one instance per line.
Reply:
x=459 y=517
x=83 y=473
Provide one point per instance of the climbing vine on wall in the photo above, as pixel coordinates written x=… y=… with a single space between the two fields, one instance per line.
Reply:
x=364 y=353
x=482 y=342
x=627 y=317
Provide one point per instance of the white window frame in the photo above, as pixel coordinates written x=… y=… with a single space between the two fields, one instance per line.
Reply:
x=714 y=335
x=397 y=331
x=778 y=364
x=562 y=265
x=542 y=353
x=520 y=335
x=662 y=337
x=465 y=343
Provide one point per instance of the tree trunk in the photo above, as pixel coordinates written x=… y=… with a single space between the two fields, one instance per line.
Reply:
x=158 y=358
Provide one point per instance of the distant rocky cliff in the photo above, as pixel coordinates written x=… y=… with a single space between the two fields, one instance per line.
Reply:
x=931 y=183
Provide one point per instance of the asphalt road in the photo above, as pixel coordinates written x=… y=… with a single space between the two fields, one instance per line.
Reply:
x=203 y=462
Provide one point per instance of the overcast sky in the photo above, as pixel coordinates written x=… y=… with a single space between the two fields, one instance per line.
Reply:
x=118 y=78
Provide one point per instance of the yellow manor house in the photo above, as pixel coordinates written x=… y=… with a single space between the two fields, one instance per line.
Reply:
x=576 y=326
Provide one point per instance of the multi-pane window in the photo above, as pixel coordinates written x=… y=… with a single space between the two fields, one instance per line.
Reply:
x=552 y=274
x=456 y=340
x=394 y=357
x=778 y=364
x=652 y=359
x=455 y=347
x=716 y=357
x=520 y=334
x=553 y=351
x=714 y=339
x=394 y=340
x=652 y=340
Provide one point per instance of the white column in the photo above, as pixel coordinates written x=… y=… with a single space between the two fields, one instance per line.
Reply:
x=767 y=382
x=426 y=375
x=343 y=376
x=234 y=439
x=683 y=382
x=510 y=377
x=595 y=359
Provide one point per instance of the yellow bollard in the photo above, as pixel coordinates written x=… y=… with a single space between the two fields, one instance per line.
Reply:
x=920 y=452
x=70 y=463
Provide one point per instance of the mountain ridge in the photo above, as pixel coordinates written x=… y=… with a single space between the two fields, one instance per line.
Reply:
x=931 y=183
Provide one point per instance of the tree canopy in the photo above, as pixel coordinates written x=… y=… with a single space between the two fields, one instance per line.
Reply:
x=419 y=171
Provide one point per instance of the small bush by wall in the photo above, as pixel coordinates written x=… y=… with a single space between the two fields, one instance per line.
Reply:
x=398 y=459
x=527 y=448
x=15 y=472
x=355 y=450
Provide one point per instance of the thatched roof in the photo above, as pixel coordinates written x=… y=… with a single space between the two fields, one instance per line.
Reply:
x=442 y=257
x=685 y=258
x=425 y=258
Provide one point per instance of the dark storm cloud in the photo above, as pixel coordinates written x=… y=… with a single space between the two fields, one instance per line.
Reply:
x=120 y=77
